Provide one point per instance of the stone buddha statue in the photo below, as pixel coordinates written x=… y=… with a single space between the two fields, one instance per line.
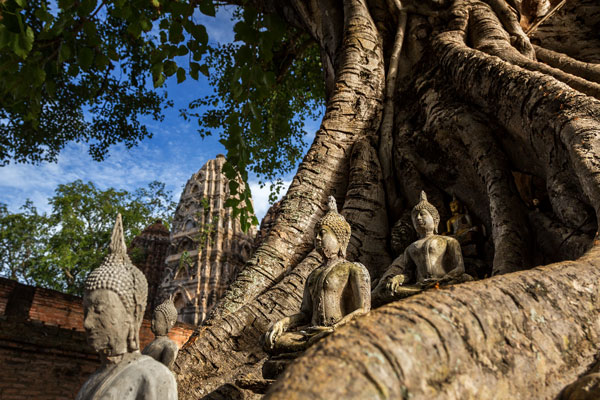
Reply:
x=334 y=293
x=114 y=301
x=431 y=260
x=459 y=225
x=162 y=348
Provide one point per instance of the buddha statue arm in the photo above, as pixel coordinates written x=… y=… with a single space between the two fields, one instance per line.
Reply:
x=169 y=355
x=291 y=321
x=360 y=282
x=454 y=259
x=449 y=230
x=402 y=271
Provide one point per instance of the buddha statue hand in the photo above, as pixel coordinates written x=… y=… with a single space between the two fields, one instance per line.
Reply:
x=394 y=283
x=320 y=328
x=274 y=332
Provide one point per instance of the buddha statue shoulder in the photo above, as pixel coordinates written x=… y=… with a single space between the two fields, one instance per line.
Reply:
x=114 y=301
x=431 y=260
x=162 y=348
x=334 y=293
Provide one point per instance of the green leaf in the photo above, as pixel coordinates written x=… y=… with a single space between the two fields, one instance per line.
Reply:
x=65 y=52
x=158 y=81
x=229 y=171
x=101 y=61
x=231 y=202
x=134 y=29
x=50 y=88
x=112 y=54
x=253 y=110
x=145 y=24
x=85 y=58
x=170 y=67
x=21 y=3
x=207 y=8
x=194 y=67
x=204 y=70
x=39 y=76
x=236 y=91
x=199 y=33
x=4 y=36
x=22 y=43
x=180 y=75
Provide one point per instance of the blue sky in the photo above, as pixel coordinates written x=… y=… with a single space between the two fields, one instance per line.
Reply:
x=174 y=153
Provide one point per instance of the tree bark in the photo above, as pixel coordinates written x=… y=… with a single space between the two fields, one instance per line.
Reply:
x=474 y=103
x=452 y=344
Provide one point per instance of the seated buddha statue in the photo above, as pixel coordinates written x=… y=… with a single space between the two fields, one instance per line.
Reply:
x=459 y=225
x=431 y=260
x=334 y=293
x=162 y=348
x=114 y=300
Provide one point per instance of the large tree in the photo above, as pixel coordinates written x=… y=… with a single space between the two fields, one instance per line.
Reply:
x=449 y=96
x=454 y=98
x=57 y=250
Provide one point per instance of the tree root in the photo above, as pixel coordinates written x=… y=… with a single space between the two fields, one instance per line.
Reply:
x=556 y=241
x=350 y=116
x=510 y=231
x=487 y=36
x=519 y=333
x=229 y=346
x=386 y=141
x=588 y=71
x=519 y=101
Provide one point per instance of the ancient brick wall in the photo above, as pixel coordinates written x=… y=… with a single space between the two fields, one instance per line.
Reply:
x=43 y=352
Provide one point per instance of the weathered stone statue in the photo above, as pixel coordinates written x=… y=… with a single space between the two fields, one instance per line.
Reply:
x=460 y=225
x=114 y=301
x=162 y=348
x=431 y=260
x=335 y=292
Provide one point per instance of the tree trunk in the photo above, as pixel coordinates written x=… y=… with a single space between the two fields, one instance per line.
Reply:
x=449 y=344
x=467 y=104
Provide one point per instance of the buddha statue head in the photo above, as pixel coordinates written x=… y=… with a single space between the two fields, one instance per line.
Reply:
x=425 y=217
x=114 y=300
x=165 y=316
x=455 y=205
x=332 y=232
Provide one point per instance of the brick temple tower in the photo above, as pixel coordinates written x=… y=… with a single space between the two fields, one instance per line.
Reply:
x=208 y=246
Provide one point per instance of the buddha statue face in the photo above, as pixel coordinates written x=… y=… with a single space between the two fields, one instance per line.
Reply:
x=326 y=242
x=107 y=322
x=160 y=326
x=454 y=207
x=423 y=222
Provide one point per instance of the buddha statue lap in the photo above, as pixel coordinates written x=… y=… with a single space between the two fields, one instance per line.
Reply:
x=334 y=293
x=430 y=261
x=162 y=348
x=114 y=301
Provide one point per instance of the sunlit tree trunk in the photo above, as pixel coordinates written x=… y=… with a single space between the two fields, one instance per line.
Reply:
x=466 y=103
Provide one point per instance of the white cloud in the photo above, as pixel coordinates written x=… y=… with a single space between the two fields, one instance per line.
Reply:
x=124 y=168
x=219 y=27
x=260 y=196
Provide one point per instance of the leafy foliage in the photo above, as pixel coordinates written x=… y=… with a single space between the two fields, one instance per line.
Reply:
x=58 y=250
x=267 y=85
x=81 y=71
x=88 y=57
